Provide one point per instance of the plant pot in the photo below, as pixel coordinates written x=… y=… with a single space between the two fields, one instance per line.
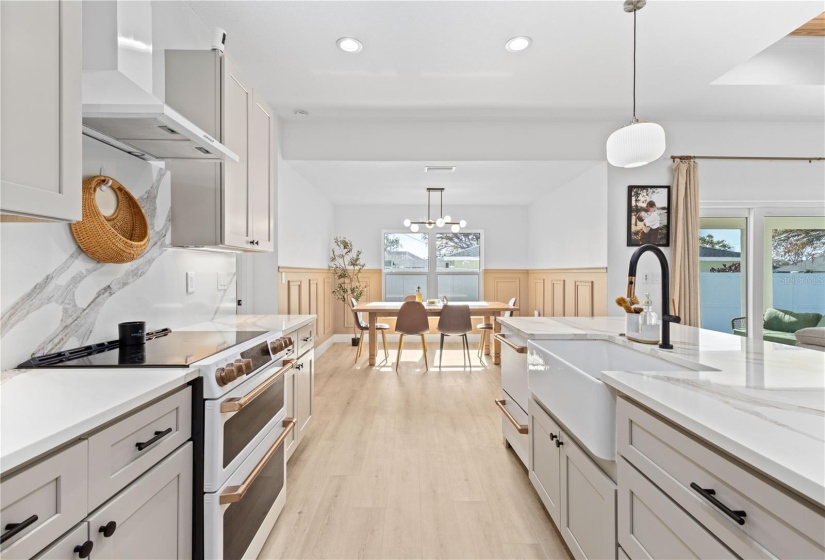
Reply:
x=355 y=341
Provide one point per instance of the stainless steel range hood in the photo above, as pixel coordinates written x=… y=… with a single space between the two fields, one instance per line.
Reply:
x=118 y=106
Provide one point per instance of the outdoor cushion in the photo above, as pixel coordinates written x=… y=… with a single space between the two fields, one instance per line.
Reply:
x=814 y=336
x=788 y=321
x=780 y=337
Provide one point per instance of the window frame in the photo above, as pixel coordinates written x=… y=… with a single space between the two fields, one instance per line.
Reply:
x=432 y=271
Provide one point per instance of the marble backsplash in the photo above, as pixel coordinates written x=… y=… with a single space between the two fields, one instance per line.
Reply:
x=53 y=296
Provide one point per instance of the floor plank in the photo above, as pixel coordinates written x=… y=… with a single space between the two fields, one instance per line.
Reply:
x=409 y=464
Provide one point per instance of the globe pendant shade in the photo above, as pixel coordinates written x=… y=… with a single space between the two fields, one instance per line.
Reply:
x=636 y=144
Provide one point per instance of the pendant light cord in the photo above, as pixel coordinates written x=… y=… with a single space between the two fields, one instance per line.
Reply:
x=634 y=66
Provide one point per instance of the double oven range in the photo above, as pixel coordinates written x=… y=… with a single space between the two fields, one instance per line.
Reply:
x=239 y=425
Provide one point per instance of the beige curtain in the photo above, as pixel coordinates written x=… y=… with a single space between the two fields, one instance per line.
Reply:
x=684 y=231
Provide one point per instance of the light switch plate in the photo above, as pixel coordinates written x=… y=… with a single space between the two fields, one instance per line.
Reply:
x=190 y=282
x=223 y=280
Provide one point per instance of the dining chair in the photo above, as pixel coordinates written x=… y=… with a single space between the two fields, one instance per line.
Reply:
x=455 y=321
x=364 y=328
x=412 y=320
x=487 y=328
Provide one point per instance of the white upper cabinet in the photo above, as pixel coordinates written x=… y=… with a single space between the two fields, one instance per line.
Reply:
x=221 y=204
x=40 y=118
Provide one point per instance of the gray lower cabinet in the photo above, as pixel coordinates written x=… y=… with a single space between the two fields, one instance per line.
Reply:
x=75 y=544
x=579 y=496
x=304 y=381
x=41 y=134
x=651 y=525
x=152 y=518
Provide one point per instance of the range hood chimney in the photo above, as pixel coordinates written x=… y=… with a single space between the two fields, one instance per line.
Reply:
x=118 y=105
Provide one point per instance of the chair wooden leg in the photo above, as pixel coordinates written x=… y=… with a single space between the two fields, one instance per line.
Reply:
x=426 y=362
x=384 y=337
x=441 y=351
x=360 y=345
x=481 y=343
x=398 y=357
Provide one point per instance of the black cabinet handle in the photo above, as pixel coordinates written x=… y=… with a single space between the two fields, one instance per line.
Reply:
x=141 y=445
x=710 y=495
x=85 y=549
x=553 y=436
x=109 y=529
x=15 y=528
x=559 y=442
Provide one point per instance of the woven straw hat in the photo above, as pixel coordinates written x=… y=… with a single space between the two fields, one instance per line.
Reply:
x=119 y=238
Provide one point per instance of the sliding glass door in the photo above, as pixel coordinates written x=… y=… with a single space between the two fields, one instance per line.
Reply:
x=723 y=265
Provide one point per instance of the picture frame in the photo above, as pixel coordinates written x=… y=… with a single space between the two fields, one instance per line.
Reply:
x=639 y=222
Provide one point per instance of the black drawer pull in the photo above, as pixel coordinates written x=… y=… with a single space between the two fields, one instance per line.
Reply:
x=141 y=445
x=109 y=529
x=15 y=528
x=710 y=495
x=85 y=549
x=559 y=442
x=553 y=436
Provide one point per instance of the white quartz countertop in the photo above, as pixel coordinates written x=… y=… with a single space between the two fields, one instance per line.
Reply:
x=42 y=409
x=284 y=323
x=761 y=402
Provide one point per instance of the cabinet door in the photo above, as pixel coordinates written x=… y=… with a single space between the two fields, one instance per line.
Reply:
x=40 y=108
x=237 y=99
x=588 y=505
x=64 y=548
x=153 y=515
x=261 y=183
x=544 y=459
x=289 y=388
x=304 y=381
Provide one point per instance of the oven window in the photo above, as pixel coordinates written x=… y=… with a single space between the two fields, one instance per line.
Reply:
x=242 y=520
x=239 y=430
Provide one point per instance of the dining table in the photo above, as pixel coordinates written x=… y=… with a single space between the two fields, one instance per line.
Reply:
x=486 y=309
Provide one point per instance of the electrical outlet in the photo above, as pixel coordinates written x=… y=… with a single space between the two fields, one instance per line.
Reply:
x=190 y=282
x=223 y=280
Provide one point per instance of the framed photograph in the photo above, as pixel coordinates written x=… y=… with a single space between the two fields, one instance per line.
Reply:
x=648 y=215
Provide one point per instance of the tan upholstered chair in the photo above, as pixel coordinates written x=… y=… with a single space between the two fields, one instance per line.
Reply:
x=362 y=326
x=412 y=320
x=409 y=298
x=455 y=321
x=486 y=328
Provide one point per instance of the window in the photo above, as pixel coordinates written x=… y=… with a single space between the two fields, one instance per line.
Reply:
x=441 y=264
x=723 y=273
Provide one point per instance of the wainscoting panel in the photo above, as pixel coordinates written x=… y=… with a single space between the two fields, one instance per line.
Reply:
x=536 y=302
x=584 y=298
x=308 y=291
x=557 y=298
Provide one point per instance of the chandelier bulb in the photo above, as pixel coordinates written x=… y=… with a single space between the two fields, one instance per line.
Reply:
x=407 y=223
x=440 y=222
x=455 y=228
x=448 y=219
x=430 y=224
x=414 y=228
x=462 y=223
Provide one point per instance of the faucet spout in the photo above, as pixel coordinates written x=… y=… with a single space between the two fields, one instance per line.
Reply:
x=667 y=318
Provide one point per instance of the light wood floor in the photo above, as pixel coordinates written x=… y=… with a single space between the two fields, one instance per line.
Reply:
x=408 y=465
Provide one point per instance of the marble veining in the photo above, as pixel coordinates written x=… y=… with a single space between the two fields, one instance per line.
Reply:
x=761 y=402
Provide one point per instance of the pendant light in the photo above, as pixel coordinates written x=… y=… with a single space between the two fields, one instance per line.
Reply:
x=638 y=143
x=441 y=221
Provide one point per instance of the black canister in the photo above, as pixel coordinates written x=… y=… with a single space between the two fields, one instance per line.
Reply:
x=132 y=333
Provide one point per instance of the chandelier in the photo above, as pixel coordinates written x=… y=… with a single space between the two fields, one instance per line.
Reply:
x=638 y=143
x=441 y=220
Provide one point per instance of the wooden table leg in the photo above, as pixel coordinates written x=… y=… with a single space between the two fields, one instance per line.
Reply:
x=373 y=342
x=496 y=343
x=487 y=319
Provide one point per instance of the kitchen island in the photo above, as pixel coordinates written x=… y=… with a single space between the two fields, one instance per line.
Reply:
x=756 y=410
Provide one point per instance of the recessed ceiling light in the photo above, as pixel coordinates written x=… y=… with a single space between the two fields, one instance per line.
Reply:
x=518 y=44
x=349 y=44
x=301 y=114
x=436 y=168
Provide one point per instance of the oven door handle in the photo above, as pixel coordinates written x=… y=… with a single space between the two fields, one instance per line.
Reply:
x=239 y=403
x=236 y=493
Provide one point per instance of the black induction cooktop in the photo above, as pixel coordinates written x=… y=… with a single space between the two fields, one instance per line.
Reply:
x=166 y=349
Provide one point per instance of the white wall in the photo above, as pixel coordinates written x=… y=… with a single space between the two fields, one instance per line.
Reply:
x=725 y=182
x=305 y=221
x=504 y=227
x=568 y=226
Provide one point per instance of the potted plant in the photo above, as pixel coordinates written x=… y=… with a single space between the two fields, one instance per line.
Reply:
x=346 y=265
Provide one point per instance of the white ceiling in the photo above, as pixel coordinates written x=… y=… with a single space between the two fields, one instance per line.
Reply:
x=405 y=182
x=447 y=58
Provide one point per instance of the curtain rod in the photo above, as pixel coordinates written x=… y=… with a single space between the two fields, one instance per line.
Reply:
x=760 y=158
